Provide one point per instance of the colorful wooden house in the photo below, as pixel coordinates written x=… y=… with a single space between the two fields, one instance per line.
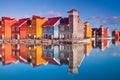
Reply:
x=23 y=24
x=88 y=30
x=6 y=25
x=50 y=28
x=104 y=32
x=101 y=32
x=15 y=31
x=35 y=30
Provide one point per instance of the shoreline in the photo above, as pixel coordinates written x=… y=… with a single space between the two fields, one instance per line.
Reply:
x=33 y=41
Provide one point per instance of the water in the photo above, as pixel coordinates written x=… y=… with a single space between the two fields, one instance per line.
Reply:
x=98 y=60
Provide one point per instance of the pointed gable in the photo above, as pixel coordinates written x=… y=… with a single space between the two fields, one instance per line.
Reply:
x=51 y=21
x=64 y=21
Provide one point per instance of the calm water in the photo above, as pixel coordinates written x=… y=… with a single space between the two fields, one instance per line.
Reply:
x=98 y=60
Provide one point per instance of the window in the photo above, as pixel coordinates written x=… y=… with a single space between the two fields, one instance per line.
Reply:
x=17 y=28
x=2 y=28
x=34 y=28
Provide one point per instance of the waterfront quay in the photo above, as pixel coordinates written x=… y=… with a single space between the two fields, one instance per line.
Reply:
x=34 y=41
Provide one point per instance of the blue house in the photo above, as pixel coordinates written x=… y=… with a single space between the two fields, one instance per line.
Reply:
x=50 y=28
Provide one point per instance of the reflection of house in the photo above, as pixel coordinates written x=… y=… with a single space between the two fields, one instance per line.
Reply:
x=64 y=51
x=35 y=53
x=72 y=55
x=71 y=27
x=88 y=48
x=6 y=25
x=7 y=56
x=50 y=53
x=115 y=41
x=1 y=51
x=35 y=30
x=115 y=33
x=15 y=50
x=50 y=28
x=88 y=30
x=23 y=56
x=102 y=44
x=76 y=58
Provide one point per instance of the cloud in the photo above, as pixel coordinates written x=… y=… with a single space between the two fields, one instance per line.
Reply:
x=53 y=13
x=106 y=20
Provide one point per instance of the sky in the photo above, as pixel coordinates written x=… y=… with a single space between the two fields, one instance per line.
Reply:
x=97 y=12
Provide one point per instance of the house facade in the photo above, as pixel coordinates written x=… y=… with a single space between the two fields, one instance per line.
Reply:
x=101 y=32
x=51 y=54
x=5 y=29
x=35 y=30
x=50 y=28
x=23 y=24
x=65 y=31
x=88 y=30
x=71 y=27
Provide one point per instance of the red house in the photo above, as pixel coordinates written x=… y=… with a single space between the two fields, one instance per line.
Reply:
x=104 y=32
x=23 y=24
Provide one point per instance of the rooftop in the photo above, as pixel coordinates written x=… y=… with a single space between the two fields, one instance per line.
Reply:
x=51 y=21
x=64 y=21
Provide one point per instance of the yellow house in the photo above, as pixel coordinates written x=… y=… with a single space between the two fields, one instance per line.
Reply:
x=88 y=30
x=35 y=30
x=88 y=48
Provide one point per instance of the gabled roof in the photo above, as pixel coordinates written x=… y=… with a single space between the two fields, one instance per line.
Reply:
x=64 y=22
x=51 y=21
x=7 y=18
x=36 y=17
x=52 y=61
x=22 y=22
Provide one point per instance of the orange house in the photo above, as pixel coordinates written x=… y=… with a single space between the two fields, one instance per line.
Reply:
x=6 y=25
x=7 y=56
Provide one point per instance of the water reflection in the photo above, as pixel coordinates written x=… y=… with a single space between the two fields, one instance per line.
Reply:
x=43 y=54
